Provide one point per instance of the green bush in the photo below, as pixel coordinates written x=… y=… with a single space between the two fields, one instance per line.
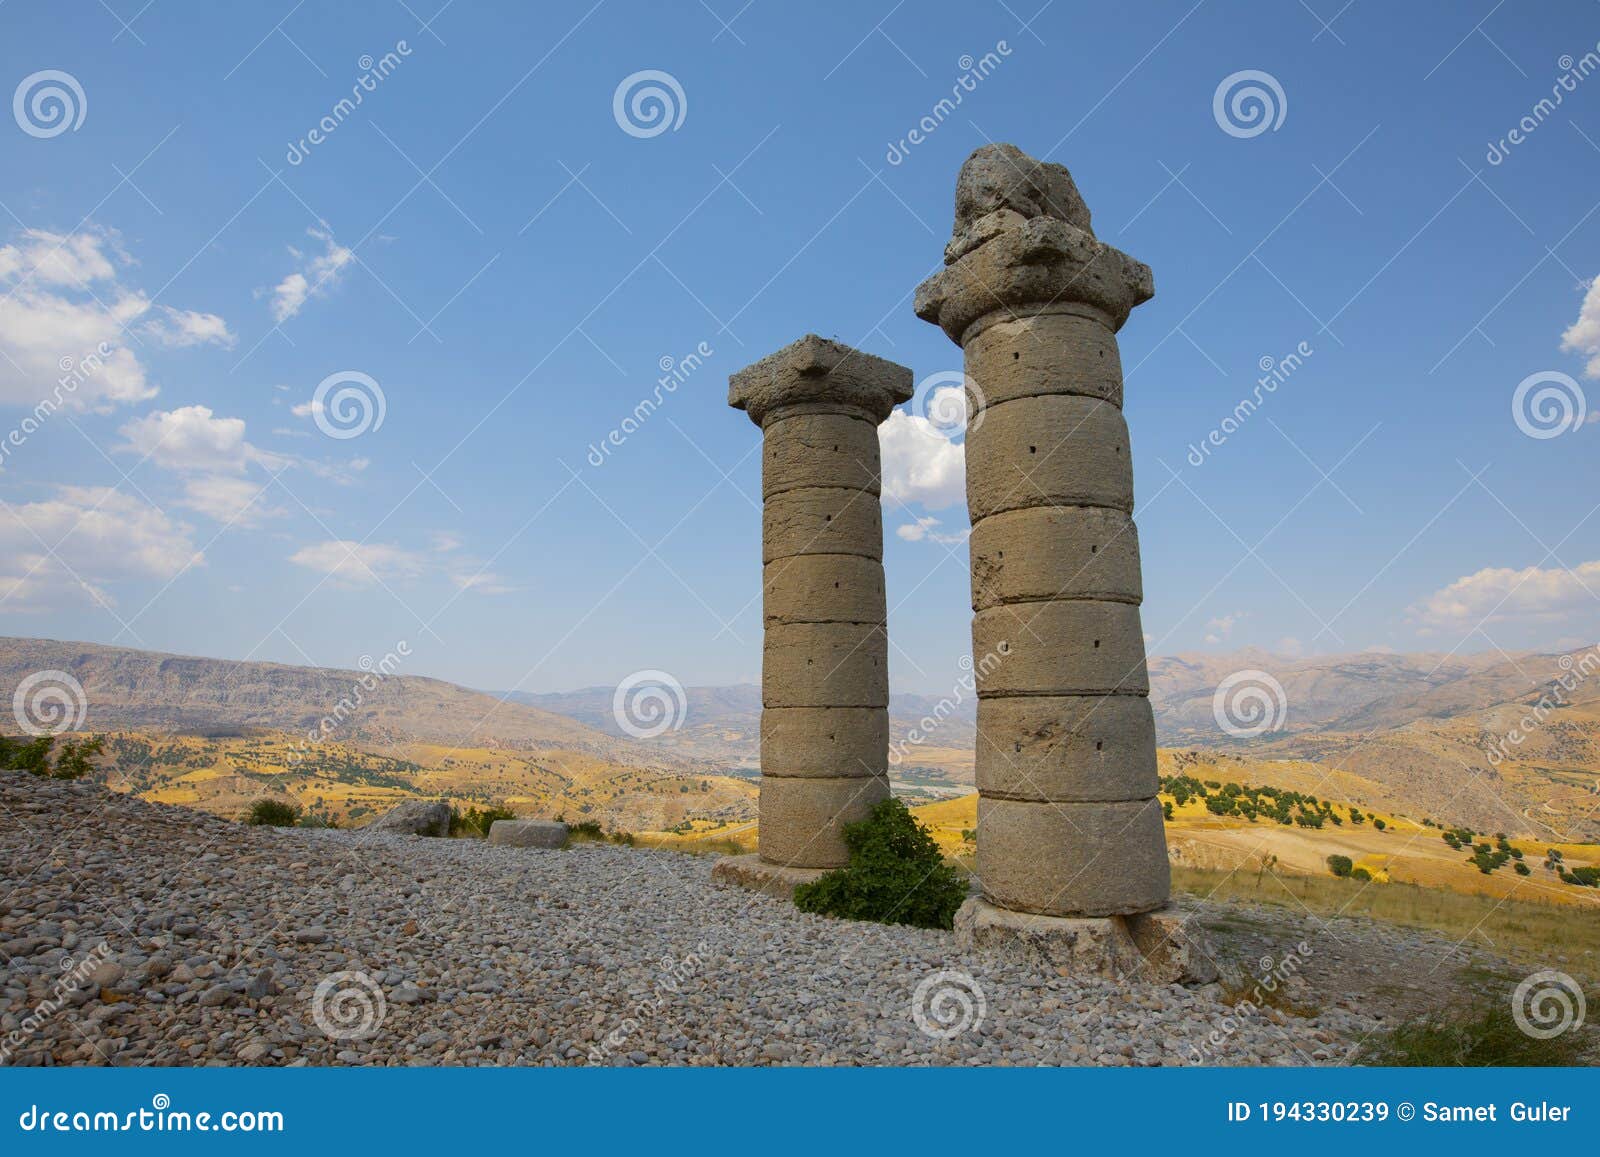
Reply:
x=590 y=832
x=1360 y=874
x=474 y=823
x=1340 y=866
x=896 y=875
x=272 y=813
x=73 y=761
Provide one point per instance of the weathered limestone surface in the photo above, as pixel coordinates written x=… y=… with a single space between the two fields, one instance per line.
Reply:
x=824 y=671
x=825 y=665
x=823 y=742
x=758 y=875
x=1095 y=555
x=417 y=817
x=822 y=519
x=1061 y=647
x=1069 y=829
x=1059 y=450
x=528 y=833
x=799 y=449
x=1098 y=858
x=1160 y=947
x=1067 y=748
x=823 y=588
x=802 y=819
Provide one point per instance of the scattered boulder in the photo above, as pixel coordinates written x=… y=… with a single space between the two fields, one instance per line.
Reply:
x=528 y=833
x=417 y=817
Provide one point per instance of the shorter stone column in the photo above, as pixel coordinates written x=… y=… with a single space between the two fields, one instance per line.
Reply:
x=824 y=671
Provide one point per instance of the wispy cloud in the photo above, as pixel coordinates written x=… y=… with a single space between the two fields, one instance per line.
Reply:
x=316 y=275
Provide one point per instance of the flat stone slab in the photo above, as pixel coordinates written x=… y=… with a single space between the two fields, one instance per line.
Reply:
x=528 y=833
x=1161 y=947
x=756 y=874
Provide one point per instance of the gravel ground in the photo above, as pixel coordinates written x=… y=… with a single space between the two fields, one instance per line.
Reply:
x=135 y=933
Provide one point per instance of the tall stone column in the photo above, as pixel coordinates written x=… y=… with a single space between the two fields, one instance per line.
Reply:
x=824 y=671
x=1071 y=847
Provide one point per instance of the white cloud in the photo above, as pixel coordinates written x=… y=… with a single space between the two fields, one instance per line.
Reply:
x=45 y=258
x=359 y=563
x=1499 y=594
x=213 y=456
x=240 y=501
x=70 y=545
x=919 y=464
x=1291 y=646
x=63 y=320
x=318 y=273
x=485 y=582
x=1219 y=629
x=1583 y=335
x=192 y=438
x=366 y=564
x=926 y=527
x=182 y=328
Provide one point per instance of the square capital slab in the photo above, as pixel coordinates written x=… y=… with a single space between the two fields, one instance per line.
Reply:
x=817 y=372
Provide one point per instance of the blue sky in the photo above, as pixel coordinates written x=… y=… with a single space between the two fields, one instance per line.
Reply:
x=482 y=239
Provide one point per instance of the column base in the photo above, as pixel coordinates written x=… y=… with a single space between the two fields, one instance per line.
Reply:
x=1160 y=947
x=756 y=874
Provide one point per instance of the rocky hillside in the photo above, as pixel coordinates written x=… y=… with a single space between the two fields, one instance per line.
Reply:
x=146 y=691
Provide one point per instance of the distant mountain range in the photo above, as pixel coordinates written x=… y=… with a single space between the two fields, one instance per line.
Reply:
x=724 y=723
x=131 y=690
x=1423 y=734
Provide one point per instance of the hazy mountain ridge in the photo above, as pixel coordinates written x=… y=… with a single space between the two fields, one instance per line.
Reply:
x=724 y=723
x=132 y=690
x=1424 y=735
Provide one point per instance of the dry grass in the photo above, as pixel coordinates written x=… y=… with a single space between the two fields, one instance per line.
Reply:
x=1524 y=931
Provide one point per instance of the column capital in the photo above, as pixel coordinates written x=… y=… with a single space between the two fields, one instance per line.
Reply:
x=816 y=372
x=1023 y=245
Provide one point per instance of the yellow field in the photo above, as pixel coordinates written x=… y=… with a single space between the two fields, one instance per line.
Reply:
x=1405 y=853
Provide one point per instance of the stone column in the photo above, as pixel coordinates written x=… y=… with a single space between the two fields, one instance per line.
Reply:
x=824 y=671
x=1070 y=837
